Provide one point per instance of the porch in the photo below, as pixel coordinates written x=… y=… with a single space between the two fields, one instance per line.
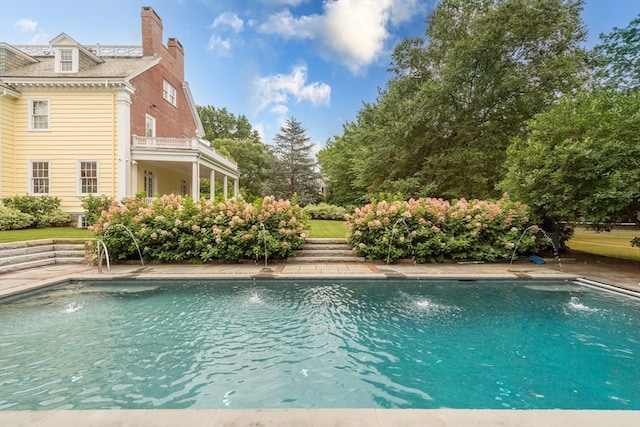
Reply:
x=160 y=165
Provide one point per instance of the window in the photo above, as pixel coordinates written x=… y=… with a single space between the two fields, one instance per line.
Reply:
x=169 y=92
x=66 y=60
x=38 y=114
x=87 y=177
x=149 y=183
x=184 y=187
x=150 y=127
x=39 y=177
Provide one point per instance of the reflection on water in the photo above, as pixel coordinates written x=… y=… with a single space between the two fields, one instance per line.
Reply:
x=319 y=344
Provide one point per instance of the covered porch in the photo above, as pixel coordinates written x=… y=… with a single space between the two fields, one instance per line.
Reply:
x=176 y=165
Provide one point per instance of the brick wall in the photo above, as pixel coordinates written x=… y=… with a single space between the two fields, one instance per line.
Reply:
x=170 y=121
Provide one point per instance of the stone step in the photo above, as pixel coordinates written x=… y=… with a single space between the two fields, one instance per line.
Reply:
x=10 y=268
x=294 y=259
x=325 y=252
x=25 y=257
x=323 y=240
x=17 y=256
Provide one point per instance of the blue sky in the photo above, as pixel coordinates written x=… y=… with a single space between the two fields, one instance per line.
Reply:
x=317 y=61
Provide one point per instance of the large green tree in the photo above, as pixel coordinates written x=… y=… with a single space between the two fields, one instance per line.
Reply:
x=617 y=58
x=442 y=124
x=294 y=171
x=581 y=160
x=235 y=137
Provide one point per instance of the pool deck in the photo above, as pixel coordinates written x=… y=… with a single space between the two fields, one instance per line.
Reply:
x=28 y=280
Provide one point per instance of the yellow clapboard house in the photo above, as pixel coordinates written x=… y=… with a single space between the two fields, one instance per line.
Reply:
x=105 y=120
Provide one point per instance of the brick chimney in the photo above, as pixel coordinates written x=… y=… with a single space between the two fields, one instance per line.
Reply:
x=177 y=51
x=151 y=32
x=173 y=55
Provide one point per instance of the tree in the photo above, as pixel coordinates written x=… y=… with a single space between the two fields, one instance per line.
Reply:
x=617 y=58
x=294 y=171
x=235 y=137
x=442 y=125
x=581 y=160
x=253 y=159
x=219 y=123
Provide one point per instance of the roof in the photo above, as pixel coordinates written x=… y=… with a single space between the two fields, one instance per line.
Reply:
x=110 y=68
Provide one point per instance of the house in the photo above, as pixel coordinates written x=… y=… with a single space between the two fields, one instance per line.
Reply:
x=105 y=120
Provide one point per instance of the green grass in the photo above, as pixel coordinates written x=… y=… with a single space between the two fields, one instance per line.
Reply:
x=7 y=236
x=321 y=228
x=614 y=243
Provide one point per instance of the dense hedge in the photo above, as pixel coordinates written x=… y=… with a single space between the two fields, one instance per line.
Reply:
x=32 y=211
x=325 y=211
x=175 y=228
x=434 y=230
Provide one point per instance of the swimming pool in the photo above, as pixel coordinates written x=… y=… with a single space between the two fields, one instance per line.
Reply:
x=320 y=344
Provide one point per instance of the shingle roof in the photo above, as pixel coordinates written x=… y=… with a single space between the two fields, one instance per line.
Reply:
x=111 y=68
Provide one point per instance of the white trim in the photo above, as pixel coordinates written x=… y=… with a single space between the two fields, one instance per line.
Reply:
x=79 y=176
x=194 y=110
x=75 y=59
x=30 y=103
x=30 y=176
x=169 y=93
x=154 y=182
x=153 y=125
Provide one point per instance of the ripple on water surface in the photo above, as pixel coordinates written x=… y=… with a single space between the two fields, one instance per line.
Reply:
x=385 y=344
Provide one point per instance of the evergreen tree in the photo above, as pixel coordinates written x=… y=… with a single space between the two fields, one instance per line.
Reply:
x=294 y=170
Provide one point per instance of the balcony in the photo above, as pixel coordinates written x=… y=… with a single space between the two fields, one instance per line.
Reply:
x=190 y=144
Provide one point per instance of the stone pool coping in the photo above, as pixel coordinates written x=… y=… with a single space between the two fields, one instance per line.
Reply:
x=36 y=278
x=319 y=418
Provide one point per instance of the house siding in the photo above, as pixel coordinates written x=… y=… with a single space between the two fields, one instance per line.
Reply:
x=81 y=127
x=7 y=145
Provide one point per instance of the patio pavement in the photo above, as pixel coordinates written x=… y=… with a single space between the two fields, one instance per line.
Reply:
x=28 y=280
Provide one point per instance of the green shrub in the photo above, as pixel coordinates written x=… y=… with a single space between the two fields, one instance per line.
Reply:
x=55 y=218
x=434 y=230
x=325 y=211
x=175 y=228
x=45 y=210
x=13 y=219
x=94 y=206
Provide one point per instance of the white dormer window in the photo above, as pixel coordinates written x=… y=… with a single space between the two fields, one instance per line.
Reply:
x=169 y=92
x=66 y=60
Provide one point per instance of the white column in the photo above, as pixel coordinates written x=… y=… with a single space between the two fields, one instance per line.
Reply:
x=236 y=188
x=122 y=142
x=212 y=178
x=134 y=177
x=195 y=180
x=224 y=186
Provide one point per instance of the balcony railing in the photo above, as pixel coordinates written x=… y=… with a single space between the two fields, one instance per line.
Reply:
x=193 y=144
x=118 y=51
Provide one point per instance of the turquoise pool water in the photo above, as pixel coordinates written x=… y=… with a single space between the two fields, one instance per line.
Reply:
x=320 y=344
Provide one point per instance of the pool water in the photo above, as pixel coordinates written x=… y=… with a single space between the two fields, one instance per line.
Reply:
x=320 y=344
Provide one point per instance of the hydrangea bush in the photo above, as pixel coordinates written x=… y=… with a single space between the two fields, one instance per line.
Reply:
x=430 y=230
x=176 y=228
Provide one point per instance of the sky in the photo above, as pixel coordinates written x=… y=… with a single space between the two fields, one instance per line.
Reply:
x=315 y=60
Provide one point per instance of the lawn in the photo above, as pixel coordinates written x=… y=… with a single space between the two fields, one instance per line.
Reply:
x=614 y=243
x=7 y=236
x=325 y=228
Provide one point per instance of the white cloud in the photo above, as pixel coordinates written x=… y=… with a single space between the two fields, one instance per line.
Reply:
x=219 y=46
x=288 y=26
x=228 y=19
x=280 y=110
x=275 y=92
x=284 y=2
x=25 y=25
x=351 y=32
